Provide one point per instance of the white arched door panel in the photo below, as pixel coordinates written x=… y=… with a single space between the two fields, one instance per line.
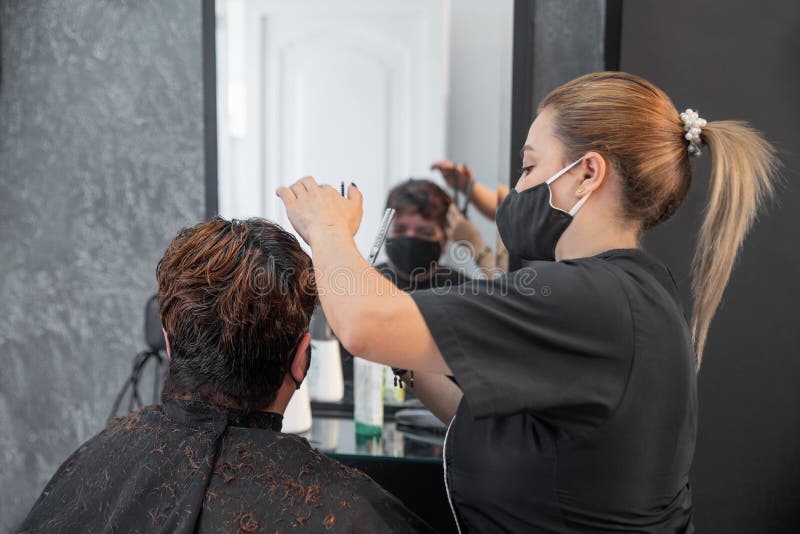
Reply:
x=345 y=90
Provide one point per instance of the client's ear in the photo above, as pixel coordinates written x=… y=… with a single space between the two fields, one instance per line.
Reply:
x=166 y=340
x=300 y=361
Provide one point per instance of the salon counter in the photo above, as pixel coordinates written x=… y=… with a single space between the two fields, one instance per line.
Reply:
x=336 y=436
x=406 y=462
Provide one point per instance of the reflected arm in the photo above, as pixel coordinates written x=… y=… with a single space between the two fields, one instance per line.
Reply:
x=484 y=199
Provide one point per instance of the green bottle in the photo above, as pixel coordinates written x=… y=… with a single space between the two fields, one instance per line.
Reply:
x=368 y=397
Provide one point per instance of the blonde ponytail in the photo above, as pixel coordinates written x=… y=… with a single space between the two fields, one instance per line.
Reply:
x=635 y=124
x=743 y=168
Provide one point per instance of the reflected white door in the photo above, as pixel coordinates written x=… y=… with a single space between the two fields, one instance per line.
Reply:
x=351 y=90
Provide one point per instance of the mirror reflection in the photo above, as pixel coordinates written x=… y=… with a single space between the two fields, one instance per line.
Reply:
x=409 y=100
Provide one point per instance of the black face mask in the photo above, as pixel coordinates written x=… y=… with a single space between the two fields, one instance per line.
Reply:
x=529 y=225
x=413 y=255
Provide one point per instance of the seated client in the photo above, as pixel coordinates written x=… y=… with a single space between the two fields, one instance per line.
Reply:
x=235 y=300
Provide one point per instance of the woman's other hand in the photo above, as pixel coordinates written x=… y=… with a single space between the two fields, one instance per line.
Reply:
x=460 y=229
x=315 y=210
x=457 y=176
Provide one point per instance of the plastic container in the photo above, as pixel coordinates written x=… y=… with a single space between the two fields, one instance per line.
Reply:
x=368 y=397
x=325 y=382
x=297 y=417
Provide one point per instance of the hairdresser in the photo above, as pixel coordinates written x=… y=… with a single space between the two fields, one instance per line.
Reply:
x=577 y=373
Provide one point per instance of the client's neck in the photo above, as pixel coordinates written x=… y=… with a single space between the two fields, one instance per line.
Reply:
x=284 y=395
x=208 y=394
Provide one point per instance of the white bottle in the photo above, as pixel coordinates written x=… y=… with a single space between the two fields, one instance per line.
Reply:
x=368 y=397
x=297 y=417
x=325 y=382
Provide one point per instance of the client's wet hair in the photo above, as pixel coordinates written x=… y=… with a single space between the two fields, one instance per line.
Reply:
x=235 y=298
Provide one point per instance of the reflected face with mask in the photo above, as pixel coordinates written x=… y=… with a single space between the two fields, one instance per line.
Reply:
x=417 y=236
x=414 y=244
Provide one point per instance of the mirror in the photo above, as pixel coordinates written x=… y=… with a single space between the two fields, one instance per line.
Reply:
x=369 y=91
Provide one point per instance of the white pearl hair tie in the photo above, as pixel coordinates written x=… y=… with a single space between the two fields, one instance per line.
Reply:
x=692 y=125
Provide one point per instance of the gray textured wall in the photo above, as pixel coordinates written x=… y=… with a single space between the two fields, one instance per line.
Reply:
x=568 y=41
x=101 y=161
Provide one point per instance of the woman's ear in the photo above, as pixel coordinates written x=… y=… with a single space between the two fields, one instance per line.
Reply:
x=301 y=360
x=166 y=340
x=593 y=172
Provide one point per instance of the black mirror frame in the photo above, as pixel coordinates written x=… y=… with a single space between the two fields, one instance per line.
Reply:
x=523 y=106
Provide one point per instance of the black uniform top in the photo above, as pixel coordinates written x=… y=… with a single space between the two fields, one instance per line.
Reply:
x=580 y=405
x=191 y=467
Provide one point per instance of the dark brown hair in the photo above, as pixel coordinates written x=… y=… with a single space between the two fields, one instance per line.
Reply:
x=635 y=125
x=235 y=297
x=417 y=195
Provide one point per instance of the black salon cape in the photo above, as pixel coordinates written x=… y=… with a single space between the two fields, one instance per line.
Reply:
x=189 y=467
x=580 y=406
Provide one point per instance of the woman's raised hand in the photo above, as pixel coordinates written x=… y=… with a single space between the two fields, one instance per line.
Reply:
x=316 y=210
x=457 y=176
